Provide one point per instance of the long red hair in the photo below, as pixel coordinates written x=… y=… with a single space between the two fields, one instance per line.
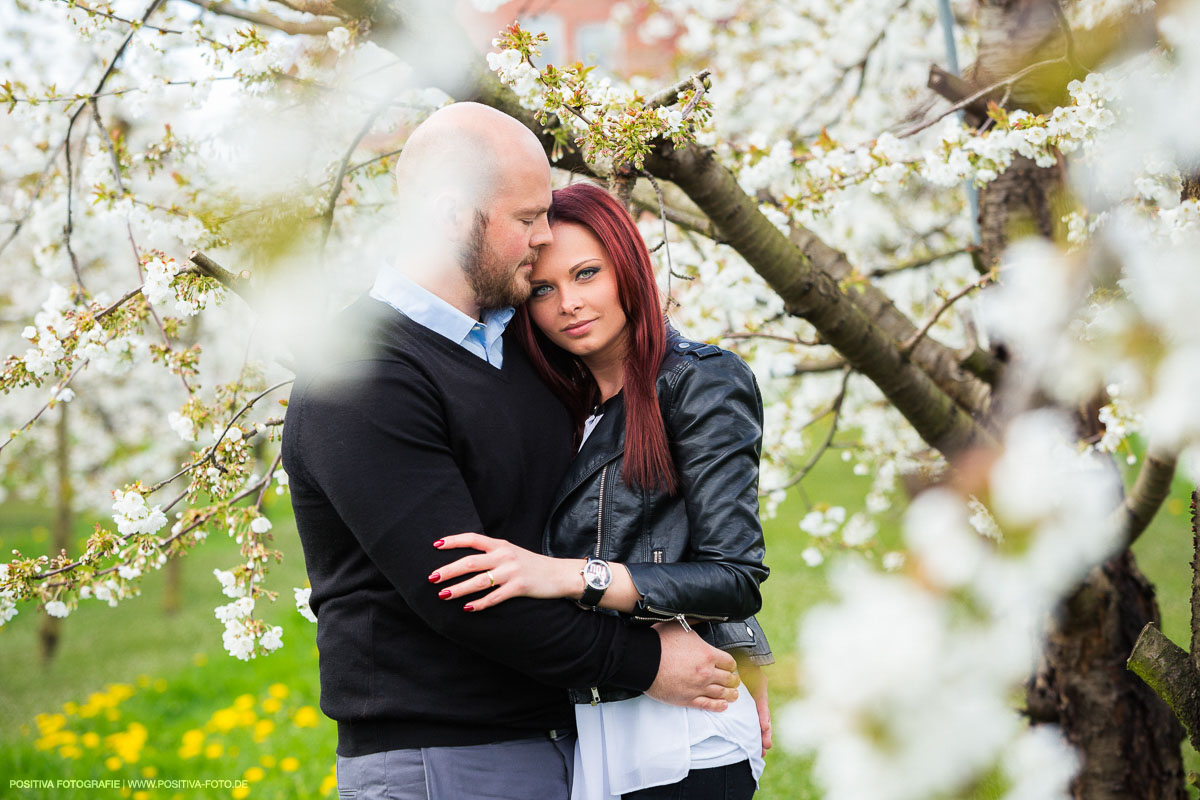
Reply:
x=647 y=456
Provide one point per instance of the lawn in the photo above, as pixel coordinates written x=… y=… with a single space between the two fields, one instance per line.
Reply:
x=136 y=693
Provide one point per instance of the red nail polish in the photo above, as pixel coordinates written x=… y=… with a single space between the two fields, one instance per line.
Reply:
x=468 y=607
x=439 y=543
x=434 y=578
x=444 y=593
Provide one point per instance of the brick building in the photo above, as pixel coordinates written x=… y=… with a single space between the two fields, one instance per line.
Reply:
x=632 y=41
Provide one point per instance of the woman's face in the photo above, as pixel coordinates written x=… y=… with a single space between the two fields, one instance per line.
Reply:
x=575 y=300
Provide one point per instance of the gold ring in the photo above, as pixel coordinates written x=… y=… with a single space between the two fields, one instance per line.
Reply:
x=491 y=580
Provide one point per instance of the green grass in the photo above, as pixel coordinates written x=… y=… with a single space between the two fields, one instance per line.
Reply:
x=185 y=689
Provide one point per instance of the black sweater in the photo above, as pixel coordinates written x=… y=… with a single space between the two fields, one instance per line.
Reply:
x=412 y=439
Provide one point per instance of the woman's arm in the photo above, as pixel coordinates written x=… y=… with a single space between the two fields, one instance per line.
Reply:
x=504 y=570
x=713 y=414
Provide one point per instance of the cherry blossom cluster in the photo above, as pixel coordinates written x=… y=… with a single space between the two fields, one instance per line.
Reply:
x=613 y=124
x=959 y=626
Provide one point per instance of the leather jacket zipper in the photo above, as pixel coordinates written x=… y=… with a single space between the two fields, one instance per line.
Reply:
x=679 y=616
x=600 y=509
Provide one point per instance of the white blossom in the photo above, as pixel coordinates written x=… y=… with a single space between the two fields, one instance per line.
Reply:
x=302 y=606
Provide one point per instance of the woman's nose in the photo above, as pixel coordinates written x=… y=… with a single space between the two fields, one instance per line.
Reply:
x=570 y=302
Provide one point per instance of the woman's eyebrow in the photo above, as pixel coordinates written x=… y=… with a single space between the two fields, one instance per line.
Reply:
x=588 y=260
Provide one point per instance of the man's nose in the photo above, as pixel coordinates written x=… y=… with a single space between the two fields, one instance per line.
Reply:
x=541 y=235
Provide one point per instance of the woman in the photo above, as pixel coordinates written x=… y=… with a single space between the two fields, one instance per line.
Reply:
x=657 y=517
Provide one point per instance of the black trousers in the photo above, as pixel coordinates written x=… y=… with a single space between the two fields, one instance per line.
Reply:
x=734 y=782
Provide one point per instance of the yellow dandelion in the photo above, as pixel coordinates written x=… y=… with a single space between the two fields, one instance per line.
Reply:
x=244 y=701
x=213 y=750
x=90 y=739
x=263 y=729
x=193 y=738
x=278 y=690
x=267 y=761
x=143 y=681
x=70 y=707
x=241 y=791
x=142 y=795
x=111 y=714
x=113 y=763
x=305 y=717
x=149 y=771
x=225 y=719
x=289 y=764
x=48 y=723
x=271 y=705
x=70 y=751
x=327 y=785
x=246 y=718
x=254 y=774
x=160 y=685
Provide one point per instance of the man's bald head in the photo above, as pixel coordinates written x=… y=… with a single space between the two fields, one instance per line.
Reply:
x=466 y=148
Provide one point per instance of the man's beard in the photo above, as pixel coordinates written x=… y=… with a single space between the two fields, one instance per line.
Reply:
x=495 y=285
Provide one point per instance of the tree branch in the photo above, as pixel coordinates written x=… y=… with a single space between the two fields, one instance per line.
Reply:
x=984 y=92
x=670 y=95
x=1151 y=487
x=912 y=341
x=836 y=410
x=235 y=282
x=142 y=24
x=1168 y=670
x=336 y=190
x=883 y=272
x=294 y=28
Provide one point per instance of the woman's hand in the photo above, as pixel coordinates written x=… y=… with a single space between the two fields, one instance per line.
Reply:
x=512 y=570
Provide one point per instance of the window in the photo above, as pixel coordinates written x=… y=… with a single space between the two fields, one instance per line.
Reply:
x=554 y=51
x=599 y=43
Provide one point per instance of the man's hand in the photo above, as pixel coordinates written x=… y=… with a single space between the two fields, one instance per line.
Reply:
x=691 y=673
x=756 y=681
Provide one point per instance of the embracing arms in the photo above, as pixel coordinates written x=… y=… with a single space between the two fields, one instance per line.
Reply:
x=367 y=462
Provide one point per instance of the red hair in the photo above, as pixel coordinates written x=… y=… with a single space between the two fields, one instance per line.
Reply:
x=647 y=456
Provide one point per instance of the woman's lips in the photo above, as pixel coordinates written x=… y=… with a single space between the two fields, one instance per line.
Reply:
x=579 y=328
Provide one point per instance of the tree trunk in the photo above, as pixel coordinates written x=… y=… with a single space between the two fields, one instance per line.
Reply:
x=1128 y=737
x=51 y=627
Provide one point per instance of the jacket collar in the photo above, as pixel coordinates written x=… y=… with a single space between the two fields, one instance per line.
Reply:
x=606 y=443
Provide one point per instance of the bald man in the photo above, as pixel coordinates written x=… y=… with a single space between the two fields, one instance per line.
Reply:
x=438 y=425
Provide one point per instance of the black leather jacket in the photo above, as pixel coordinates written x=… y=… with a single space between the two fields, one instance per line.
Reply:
x=699 y=553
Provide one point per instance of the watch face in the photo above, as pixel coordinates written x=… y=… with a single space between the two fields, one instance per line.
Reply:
x=597 y=574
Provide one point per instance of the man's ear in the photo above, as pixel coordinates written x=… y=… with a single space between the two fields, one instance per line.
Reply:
x=449 y=214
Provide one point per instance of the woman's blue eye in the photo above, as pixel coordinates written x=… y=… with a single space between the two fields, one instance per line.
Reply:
x=537 y=291
x=587 y=272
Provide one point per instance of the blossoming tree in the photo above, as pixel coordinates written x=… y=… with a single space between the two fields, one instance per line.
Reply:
x=980 y=284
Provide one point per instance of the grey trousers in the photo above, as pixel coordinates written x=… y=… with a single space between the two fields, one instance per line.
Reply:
x=539 y=767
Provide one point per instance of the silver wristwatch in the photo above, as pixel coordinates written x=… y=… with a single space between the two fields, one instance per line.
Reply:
x=597 y=576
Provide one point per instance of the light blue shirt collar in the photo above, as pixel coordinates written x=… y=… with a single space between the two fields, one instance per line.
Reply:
x=483 y=338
